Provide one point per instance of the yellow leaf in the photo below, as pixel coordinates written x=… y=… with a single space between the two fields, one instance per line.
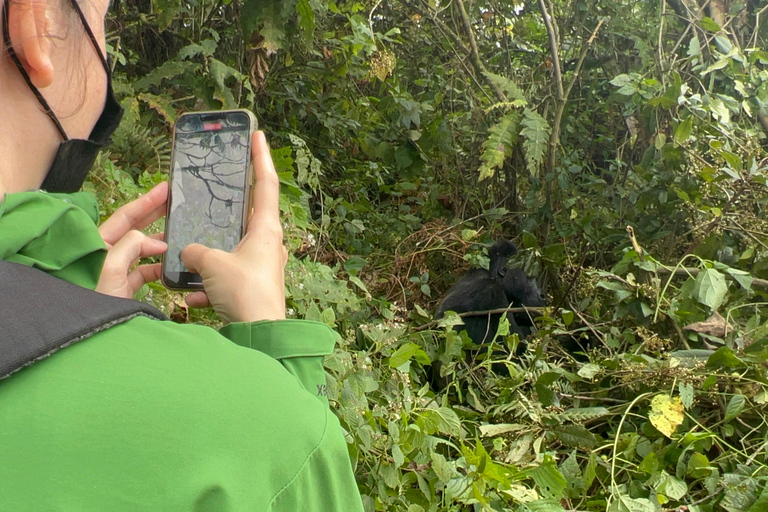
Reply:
x=666 y=414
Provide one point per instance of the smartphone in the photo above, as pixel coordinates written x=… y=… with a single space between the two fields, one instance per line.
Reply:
x=210 y=188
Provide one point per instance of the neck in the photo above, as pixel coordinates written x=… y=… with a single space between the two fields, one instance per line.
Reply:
x=28 y=139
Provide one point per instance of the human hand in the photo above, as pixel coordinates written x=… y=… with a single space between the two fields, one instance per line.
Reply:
x=127 y=244
x=247 y=284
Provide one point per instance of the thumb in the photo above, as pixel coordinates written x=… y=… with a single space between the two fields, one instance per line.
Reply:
x=193 y=256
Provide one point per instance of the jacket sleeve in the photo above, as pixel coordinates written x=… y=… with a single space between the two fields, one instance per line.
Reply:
x=299 y=345
x=325 y=482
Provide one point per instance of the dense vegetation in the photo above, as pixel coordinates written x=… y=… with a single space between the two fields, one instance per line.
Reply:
x=620 y=144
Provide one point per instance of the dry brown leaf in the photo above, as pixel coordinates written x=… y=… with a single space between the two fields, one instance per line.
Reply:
x=715 y=325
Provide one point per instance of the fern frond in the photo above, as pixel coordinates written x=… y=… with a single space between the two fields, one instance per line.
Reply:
x=502 y=138
x=509 y=88
x=535 y=133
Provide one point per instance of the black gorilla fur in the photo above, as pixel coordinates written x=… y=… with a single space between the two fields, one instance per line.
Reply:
x=495 y=288
x=483 y=290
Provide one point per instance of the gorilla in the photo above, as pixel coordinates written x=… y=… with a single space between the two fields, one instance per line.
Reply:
x=495 y=288
x=483 y=290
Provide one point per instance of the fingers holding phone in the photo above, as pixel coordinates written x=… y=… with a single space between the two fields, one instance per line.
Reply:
x=247 y=284
x=127 y=244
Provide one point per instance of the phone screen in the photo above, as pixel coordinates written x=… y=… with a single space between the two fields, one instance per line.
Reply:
x=211 y=157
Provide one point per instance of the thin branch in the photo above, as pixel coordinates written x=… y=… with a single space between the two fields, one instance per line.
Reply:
x=553 y=47
x=583 y=56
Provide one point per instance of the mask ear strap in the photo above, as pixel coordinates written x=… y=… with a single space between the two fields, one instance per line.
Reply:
x=15 y=59
x=92 y=37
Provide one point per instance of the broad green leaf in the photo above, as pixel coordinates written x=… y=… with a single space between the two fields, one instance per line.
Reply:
x=694 y=46
x=724 y=357
x=733 y=160
x=397 y=455
x=627 y=504
x=443 y=469
x=735 y=406
x=403 y=354
x=671 y=486
x=443 y=420
x=683 y=130
x=711 y=288
x=698 y=465
x=549 y=481
x=719 y=64
x=710 y=24
x=220 y=72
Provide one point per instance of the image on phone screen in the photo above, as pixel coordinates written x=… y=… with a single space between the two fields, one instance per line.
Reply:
x=208 y=184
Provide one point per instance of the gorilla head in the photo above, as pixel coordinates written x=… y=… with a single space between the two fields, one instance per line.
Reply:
x=522 y=290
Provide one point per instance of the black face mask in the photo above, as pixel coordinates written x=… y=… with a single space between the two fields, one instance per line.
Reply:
x=75 y=157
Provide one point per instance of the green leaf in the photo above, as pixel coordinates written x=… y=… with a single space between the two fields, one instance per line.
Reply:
x=745 y=279
x=161 y=105
x=443 y=469
x=206 y=48
x=711 y=288
x=269 y=17
x=403 y=354
x=589 y=370
x=698 y=466
x=578 y=414
x=724 y=358
x=509 y=88
x=719 y=64
x=671 y=486
x=443 y=420
x=735 y=406
x=306 y=20
x=168 y=70
x=502 y=137
x=710 y=24
x=220 y=72
x=542 y=505
x=733 y=160
x=686 y=394
x=550 y=482
x=694 y=47
x=535 y=133
x=166 y=11
x=683 y=131
x=576 y=436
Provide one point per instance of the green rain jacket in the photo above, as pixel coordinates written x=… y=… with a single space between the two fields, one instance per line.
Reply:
x=155 y=416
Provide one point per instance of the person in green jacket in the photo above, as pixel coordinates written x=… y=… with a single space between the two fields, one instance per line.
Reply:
x=147 y=415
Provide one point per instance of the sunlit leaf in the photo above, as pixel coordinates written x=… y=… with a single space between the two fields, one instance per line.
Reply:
x=666 y=414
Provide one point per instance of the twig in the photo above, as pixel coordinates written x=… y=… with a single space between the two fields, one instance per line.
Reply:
x=553 y=48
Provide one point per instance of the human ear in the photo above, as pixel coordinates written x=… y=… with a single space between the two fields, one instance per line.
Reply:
x=29 y=25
